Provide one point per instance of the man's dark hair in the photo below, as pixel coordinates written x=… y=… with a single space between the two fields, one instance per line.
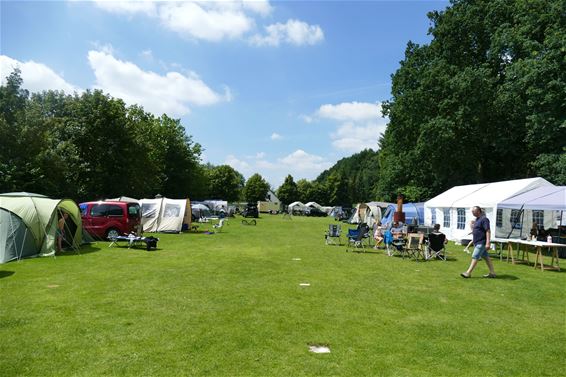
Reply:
x=436 y=227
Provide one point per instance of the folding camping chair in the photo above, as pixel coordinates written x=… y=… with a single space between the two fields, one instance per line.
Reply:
x=356 y=237
x=414 y=247
x=334 y=232
x=435 y=247
x=218 y=227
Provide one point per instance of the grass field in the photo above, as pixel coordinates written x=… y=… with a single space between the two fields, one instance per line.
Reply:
x=230 y=304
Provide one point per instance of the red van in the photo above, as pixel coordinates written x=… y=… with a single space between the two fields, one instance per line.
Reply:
x=111 y=218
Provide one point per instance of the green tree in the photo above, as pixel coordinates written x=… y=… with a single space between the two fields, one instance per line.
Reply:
x=484 y=101
x=358 y=176
x=256 y=189
x=224 y=182
x=337 y=190
x=288 y=192
x=304 y=188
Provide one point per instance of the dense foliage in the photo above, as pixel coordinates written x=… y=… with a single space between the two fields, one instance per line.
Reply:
x=91 y=146
x=352 y=179
x=484 y=101
x=224 y=182
x=287 y=192
x=256 y=189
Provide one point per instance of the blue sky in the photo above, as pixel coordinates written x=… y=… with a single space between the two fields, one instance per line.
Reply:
x=276 y=88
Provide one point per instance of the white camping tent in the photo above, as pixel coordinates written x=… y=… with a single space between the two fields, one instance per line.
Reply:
x=451 y=209
x=296 y=206
x=545 y=206
x=164 y=215
x=217 y=206
x=366 y=213
x=314 y=205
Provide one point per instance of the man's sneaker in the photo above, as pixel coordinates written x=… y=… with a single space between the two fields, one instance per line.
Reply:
x=464 y=275
x=490 y=276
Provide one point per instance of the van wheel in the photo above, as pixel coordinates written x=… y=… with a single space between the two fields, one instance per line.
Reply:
x=112 y=233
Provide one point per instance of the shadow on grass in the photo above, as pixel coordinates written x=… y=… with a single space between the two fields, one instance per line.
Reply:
x=507 y=277
x=84 y=249
x=5 y=274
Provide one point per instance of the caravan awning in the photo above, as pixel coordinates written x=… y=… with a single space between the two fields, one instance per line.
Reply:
x=542 y=198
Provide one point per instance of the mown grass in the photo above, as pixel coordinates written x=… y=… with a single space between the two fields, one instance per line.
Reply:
x=230 y=304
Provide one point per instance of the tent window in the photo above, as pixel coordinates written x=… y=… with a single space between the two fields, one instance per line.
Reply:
x=499 y=218
x=538 y=218
x=446 y=222
x=433 y=212
x=515 y=219
x=149 y=210
x=461 y=218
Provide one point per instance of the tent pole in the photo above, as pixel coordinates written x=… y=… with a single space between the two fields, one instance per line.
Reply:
x=512 y=225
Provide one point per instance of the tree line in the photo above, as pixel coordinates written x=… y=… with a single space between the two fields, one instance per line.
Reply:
x=484 y=101
x=92 y=146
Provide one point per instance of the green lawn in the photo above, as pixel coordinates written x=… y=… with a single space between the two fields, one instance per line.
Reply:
x=230 y=304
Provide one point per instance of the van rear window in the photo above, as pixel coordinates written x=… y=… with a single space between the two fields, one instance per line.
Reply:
x=133 y=210
x=114 y=210
x=101 y=210
x=98 y=210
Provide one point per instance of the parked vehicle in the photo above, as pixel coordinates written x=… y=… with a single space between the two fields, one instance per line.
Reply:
x=110 y=219
x=251 y=211
x=315 y=212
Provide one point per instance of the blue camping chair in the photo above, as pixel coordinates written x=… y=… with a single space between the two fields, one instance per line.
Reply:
x=356 y=237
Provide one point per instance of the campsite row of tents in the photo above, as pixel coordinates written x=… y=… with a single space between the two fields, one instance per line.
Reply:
x=28 y=222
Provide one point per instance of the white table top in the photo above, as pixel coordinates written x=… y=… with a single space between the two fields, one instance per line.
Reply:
x=528 y=242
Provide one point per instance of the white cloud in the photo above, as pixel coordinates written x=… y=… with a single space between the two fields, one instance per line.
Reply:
x=276 y=136
x=37 y=77
x=299 y=164
x=302 y=161
x=240 y=165
x=294 y=32
x=261 y=7
x=351 y=138
x=351 y=111
x=219 y=20
x=306 y=118
x=147 y=54
x=360 y=128
x=171 y=93
x=209 y=21
x=128 y=7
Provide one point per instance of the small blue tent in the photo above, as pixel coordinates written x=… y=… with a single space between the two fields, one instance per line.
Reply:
x=414 y=213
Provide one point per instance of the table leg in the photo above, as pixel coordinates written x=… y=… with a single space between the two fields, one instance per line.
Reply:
x=510 y=252
x=554 y=253
x=539 y=259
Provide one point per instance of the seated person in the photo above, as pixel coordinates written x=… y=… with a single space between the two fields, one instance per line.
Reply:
x=534 y=232
x=397 y=230
x=437 y=237
x=378 y=235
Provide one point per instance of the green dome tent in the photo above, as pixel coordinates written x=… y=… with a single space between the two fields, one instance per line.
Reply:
x=28 y=224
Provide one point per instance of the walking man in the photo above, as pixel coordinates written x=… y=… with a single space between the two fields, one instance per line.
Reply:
x=481 y=236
